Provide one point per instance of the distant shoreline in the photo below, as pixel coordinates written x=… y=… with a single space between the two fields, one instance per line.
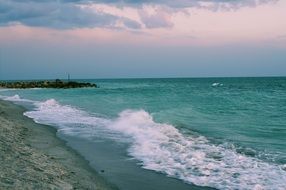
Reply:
x=32 y=157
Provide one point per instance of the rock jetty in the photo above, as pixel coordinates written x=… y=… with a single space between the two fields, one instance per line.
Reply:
x=46 y=84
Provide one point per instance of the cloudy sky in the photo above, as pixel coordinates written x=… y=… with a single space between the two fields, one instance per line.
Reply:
x=142 y=38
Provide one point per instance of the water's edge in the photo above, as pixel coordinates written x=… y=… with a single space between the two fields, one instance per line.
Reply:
x=166 y=134
x=44 y=141
x=81 y=148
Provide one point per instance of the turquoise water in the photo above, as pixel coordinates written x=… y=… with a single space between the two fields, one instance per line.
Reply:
x=224 y=133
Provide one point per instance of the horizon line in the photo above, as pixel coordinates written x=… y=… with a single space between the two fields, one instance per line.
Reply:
x=128 y=78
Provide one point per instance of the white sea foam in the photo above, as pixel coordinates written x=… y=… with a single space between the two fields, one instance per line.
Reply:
x=70 y=120
x=216 y=84
x=163 y=148
x=15 y=98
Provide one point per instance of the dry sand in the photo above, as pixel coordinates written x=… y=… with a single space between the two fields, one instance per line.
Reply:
x=32 y=157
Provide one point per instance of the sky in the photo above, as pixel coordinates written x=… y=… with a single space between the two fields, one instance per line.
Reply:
x=47 y=39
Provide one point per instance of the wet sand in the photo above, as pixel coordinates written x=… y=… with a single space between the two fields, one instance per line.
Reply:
x=32 y=157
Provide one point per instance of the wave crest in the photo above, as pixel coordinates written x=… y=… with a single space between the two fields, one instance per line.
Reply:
x=163 y=148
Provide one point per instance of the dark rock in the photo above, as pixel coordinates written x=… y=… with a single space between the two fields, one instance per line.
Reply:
x=46 y=84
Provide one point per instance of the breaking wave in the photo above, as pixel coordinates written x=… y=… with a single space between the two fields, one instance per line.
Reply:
x=163 y=148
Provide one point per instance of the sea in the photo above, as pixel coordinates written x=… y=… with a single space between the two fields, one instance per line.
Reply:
x=171 y=133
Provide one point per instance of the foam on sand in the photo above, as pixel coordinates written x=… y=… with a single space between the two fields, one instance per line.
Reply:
x=163 y=148
x=33 y=158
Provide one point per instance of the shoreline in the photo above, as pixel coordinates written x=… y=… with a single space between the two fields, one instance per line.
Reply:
x=33 y=157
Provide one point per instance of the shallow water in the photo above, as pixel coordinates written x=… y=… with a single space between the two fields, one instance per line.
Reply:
x=225 y=133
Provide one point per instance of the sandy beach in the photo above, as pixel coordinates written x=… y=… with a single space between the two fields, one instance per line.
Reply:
x=32 y=157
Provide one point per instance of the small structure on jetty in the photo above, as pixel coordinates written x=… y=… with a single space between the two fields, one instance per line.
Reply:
x=46 y=84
